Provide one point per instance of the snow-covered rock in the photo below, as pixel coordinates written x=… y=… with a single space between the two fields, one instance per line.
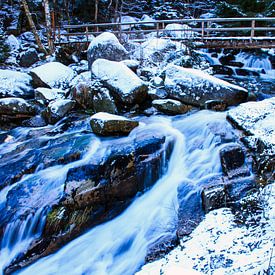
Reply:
x=125 y=85
x=47 y=94
x=131 y=64
x=108 y=125
x=28 y=57
x=127 y=19
x=257 y=120
x=83 y=77
x=171 y=106
x=58 y=109
x=13 y=43
x=220 y=245
x=15 y=106
x=15 y=84
x=52 y=75
x=147 y=21
x=154 y=50
x=106 y=46
x=178 y=31
x=195 y=87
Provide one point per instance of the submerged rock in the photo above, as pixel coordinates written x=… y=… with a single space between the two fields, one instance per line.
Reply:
x=52 y=75
x=108 y=125
x=125 y=85
x=106 y=46
x=195 y=87
x=15 y=84
x=171 y=106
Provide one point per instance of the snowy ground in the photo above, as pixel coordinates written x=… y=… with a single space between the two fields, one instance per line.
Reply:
x=221 y=246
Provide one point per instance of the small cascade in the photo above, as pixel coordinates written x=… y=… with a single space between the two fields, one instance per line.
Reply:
x=19 y=235
x=120 y=246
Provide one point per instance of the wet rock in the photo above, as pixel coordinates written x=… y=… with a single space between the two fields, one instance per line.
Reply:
x=15 y=106
x=214 y=197
x=171 y=106
x=109 y=125
x=256 y=119
x=215 y=105
x=106 y=46
x=28 y=58
x=15 y=84
x=104 y=102
x=224 y=70
x=52 y=75
x=159 y=93
x=233 y=161
x=58 y=109
x=246 y=72
x=195 y=87
x=36 y=121
x=125 y=86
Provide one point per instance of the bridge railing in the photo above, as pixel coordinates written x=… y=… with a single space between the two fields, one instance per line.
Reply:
x=196 y=29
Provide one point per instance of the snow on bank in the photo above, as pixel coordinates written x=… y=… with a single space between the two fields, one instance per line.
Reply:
x=220 y=246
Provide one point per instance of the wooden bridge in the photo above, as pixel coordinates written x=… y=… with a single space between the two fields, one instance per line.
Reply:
x=238 y=33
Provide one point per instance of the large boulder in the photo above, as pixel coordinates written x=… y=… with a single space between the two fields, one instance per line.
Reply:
x=125 y=85
x=47 y=95
x=106 y=46
x=178 y=31
x=171 y=106
x=195 y=87
x=15 y=84
x=108 y=125
x=256 y=119
x=52 y=75
x=155 y=50
x=104 y=102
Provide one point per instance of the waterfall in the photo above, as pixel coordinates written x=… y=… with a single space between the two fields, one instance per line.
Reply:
x=120 y=245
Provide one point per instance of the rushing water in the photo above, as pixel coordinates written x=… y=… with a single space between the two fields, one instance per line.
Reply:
x=120 y=246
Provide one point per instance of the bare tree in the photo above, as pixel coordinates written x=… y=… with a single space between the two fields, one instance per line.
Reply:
x=48 y=26
x=32 y=26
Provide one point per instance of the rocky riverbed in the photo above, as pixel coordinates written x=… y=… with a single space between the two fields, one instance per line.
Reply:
x=128 y=153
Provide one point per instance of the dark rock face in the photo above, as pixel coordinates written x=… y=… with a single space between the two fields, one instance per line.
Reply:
x=171 y=106
x=215 y=105
x=220 y=69
x=100 y=190
x=28 y=58
x=246 y=72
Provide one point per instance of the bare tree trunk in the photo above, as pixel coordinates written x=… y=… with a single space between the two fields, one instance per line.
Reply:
x=96 y=11
x=32 y=26
x=48 y=26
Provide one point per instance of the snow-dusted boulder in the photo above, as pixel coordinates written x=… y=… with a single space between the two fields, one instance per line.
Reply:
x=171 y=106
x=28 y=57
x=58 y=109
x=15 y=106
x=83 y=77
x=131 y=64
x=125 y=85
x=15 y=84
x=13 y=43
x=147 y=21
x=155 y=50
x=47 y=95
x=178 y=31
x=257 y=120
x=195 y=87
x=108 y=125
x=106 y=46
x=127 y=19
x=52 y=75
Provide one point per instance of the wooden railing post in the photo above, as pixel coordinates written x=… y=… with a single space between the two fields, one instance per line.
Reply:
x=208 y=26
x=87 y=33
x=157 y=30
x=253 y=23
x=202 y=29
